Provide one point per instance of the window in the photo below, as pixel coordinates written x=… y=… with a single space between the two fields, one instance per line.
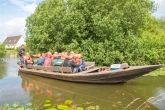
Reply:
x=9 y=40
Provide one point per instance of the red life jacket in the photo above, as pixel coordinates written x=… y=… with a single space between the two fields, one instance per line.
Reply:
x=47 y=61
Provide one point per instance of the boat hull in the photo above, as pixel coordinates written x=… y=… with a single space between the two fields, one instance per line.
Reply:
x=112 y=77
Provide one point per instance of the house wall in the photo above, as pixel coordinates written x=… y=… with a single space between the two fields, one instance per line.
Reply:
x=20 y=42
x=10 y=46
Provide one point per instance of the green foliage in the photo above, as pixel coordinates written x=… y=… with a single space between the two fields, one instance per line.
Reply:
x=109 y=31
x=15 y=104
x=64 y=107
x=29 y=104
x=47 y=101
x=159 y=72
x=68 y=102
x=80 y=108
x=161 y=23
x=47 y=105
x=2 y=51
x=10 y=49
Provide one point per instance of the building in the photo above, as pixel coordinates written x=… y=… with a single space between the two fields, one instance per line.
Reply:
x=14 y=41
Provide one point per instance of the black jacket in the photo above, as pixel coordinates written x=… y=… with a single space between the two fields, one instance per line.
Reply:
x=21 y=52
x=70 y=63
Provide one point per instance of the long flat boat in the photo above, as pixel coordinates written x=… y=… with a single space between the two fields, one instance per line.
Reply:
x=93 y=75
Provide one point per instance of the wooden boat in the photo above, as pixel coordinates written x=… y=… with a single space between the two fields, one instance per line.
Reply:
x=92 y=75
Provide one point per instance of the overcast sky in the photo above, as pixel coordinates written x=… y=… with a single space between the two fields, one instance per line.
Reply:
x=14 y=12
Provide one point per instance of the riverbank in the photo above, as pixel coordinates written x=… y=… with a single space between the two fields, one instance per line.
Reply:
x=159 y=72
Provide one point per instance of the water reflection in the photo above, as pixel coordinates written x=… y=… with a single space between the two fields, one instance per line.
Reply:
x=2 y=69
x=159 y=99
x=85 y=95
x=150 y=88
x=141 y=93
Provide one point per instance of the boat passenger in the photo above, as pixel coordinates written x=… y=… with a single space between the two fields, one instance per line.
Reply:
x=48 y=59
x=81 y=62
x=68 y=62
x=63 y=55
x=55 y=55
x=56 y=59
x=41 y=62
x=37 y=55
x=37 y=58
x=28 y=60
x=76 y=58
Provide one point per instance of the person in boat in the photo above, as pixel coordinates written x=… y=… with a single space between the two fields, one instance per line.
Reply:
x=48 y=59
x=37 y=55
x=76 y=58
x=55 y=55
x=42 y=60
x=56 y=59
x=28 y=60
x=71 y=53
x=21 y=53
x=63 y=55
x=37 y=58
x=68 y=62
x=81 y=62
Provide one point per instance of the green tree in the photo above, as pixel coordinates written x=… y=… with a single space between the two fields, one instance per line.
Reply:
x=106 y=31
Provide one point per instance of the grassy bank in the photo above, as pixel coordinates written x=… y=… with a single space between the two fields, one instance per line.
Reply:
x=159 y=72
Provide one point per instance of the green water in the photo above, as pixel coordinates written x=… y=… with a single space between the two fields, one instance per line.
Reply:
x=144 y=93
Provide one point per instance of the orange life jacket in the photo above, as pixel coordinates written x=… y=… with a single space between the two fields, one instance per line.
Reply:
x=47 y=61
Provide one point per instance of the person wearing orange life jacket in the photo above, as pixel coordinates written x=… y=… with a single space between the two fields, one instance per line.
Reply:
x=48 y=59
x=76 y=58
x=68 y=62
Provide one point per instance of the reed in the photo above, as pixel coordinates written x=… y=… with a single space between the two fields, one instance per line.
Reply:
x=131 y=103
x=155 y=102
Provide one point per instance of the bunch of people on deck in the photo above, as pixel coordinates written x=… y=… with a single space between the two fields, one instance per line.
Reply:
x=64 y=59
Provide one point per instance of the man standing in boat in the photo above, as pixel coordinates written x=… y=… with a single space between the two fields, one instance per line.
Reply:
x=22 y=53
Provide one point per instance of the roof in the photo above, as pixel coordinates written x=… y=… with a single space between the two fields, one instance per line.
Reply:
x=12 y=40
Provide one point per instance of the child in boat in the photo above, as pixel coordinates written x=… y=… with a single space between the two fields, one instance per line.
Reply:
x=28 y=60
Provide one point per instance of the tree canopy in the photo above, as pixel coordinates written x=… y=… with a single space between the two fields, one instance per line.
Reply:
x=106 y=31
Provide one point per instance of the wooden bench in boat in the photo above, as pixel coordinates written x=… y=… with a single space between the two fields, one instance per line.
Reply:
x=54 y=69
x=69 y=70
x=89 y=68
x=38 y=67
x=59 y=69
x=89 y=65
x=30 y=66
x=66 y=69
x=95 y=69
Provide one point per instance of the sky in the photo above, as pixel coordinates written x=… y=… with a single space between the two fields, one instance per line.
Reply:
x=14 y=12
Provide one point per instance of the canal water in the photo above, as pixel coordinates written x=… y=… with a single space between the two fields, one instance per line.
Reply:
x=22 y=91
